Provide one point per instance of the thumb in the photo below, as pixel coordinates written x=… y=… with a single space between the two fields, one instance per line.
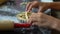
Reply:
x=29 y=21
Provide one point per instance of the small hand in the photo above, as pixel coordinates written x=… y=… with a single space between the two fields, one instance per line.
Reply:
x=35 y=4
x=39 y=19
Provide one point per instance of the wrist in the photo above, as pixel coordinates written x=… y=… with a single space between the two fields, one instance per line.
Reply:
x=55 y=25
x=51 y=22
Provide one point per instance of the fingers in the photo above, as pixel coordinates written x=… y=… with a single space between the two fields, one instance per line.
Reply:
x=27 y=6
x=35 y=19
x=43 y=8
x=30 y=20
x=30 y=5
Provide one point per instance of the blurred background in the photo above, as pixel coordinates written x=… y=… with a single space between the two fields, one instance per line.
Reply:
x=10 y=8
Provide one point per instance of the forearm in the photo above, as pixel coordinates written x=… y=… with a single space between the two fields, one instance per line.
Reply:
x=43 y=7
x=53 y=22
x=56 y=26
x=46 y=5
x=55 y=5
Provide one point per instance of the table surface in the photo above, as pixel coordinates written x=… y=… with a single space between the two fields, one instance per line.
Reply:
x=7 y=13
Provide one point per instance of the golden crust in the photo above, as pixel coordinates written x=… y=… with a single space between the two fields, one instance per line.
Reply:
x=23 y=16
